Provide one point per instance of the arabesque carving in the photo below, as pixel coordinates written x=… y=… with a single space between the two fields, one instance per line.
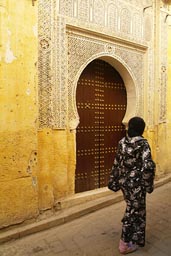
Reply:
x=83 y=50
x=74 y=32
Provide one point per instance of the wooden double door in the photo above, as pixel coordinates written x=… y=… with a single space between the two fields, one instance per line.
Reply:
x=101 y=103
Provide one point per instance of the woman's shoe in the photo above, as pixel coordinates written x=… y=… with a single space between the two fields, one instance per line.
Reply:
x=125 y=248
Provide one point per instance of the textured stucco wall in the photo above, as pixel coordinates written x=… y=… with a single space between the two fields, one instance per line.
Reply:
x=169 y=73
x=37 y=167
x=164 y=130
x=56 y=164
x=162 y=138
x=18 y=128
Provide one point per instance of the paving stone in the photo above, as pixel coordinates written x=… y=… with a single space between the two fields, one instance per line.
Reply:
x=98 y=233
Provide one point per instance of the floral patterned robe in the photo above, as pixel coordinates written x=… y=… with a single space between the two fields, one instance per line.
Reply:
x=133 y=172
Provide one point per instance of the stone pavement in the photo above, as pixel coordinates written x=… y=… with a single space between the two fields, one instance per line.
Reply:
x=98 y=233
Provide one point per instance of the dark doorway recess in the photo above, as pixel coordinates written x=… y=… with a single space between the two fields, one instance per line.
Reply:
x=101 y=103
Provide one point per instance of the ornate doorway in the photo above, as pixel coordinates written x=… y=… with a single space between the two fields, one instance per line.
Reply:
x=101 y=103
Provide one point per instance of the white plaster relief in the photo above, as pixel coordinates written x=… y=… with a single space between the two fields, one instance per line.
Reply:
x=66 y=7
x=104 y=15
x=151 y=88
x=99 y=12
x=59 y=72
x=59 y=75
x=83 y=10
x=112 y=15
x=95 y=48
x=137 y=25
x=125 y=21
x=150 y=71
x=44 y=64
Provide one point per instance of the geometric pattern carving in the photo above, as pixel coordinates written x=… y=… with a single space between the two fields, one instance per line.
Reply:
x=99 y=12
x=124 y=18
x=147 y=34
x=82 y=50
x=125 y=21
x=63 y=54
x=83 y=10
x=44 y=64
x=66 y=7
x=59 y=73
x=137 y=25
x=135 y=64
x=51 y=60
x=151 y=88
x=112 y=17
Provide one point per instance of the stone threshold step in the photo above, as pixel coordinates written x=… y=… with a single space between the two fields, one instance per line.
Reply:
x=83 y=197
x=69 y=213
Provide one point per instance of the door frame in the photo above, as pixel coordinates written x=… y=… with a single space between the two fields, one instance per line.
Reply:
x=130 y=85
x=129 y=81
x=91 y=167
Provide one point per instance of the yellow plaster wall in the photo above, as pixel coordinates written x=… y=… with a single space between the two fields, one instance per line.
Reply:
x=163 y=157
x=56 y=165
x=169 y=76
x=37 y=167
x=164 y=134
x=163 y=130
x=18 y=125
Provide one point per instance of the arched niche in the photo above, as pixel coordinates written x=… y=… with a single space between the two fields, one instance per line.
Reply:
x=129 y=81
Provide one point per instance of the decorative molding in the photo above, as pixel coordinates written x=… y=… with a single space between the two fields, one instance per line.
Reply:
x=70 y=38
x=59 y=73
x=52 y=67
x=44 y=64
x=92 y=33
x=83 y=49
x=114 y=17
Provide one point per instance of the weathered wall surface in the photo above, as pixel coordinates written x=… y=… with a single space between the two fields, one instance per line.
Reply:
x=56 y=165
x=39 y=117
x=163 y=130
x=18 y=100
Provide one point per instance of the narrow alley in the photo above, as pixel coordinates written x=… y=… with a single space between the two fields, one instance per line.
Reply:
x=98 y=233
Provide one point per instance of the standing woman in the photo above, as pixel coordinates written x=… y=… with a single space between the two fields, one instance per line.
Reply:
x=133 y=172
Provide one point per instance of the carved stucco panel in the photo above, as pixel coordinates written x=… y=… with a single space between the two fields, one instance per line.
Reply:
x=122 y=18
x=45 y=89
x=83 y=50
x=83 y=10
x=125 y=21
x=112 y=16
x=66 y=7
x=150 y=72
x=80 y=51
x=99 y=12
x=59 y=72
x=135 y=62
x=52 y=62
